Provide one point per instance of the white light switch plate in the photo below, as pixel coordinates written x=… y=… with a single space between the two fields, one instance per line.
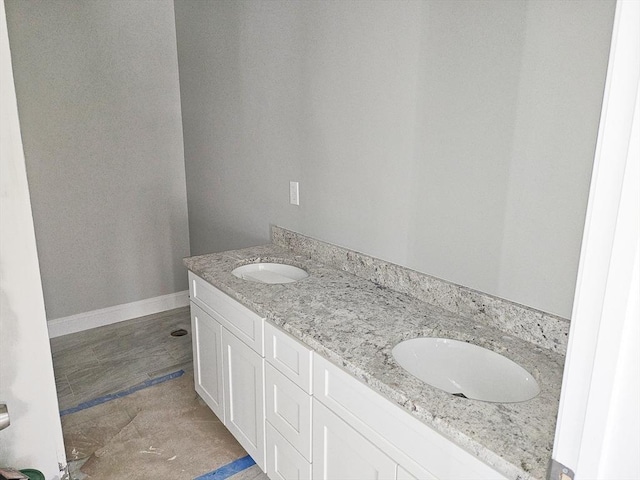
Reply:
x=294 y=193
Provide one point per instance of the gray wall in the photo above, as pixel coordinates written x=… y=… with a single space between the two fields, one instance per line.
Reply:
x=99 y=106
x=455 y=138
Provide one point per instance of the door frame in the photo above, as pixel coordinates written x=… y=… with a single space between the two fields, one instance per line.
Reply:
x=600 y=381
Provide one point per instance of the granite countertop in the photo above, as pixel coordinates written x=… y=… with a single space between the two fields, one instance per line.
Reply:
x=355 y=323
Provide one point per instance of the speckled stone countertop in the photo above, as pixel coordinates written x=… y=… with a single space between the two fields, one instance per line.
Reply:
x=355 y=323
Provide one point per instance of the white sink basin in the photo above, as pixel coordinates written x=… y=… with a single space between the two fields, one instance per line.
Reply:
x=466 y=370
x=270 y=273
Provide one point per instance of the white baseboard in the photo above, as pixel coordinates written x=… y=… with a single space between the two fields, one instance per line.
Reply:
x=118 y=313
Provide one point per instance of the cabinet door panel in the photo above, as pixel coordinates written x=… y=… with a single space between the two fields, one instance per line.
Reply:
x=207 y=359
x=244 y=395
x=283 y=461
x=341 y=452
x=288 y=408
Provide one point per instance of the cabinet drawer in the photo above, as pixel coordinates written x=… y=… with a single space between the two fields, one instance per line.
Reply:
x=238 y=319
x=283 y=461
x=288 y=408
x=420 y=450
x=289 y=356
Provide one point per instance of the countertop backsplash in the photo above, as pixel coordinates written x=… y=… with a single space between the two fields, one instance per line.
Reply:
x=535 y=326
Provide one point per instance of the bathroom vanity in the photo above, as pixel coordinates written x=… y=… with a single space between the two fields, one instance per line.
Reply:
x=302 y=372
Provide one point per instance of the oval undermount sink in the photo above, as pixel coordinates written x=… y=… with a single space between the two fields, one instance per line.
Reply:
x=466 y=370
x=270 y=273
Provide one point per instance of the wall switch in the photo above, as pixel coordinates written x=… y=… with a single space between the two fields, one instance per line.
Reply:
x=294 y=193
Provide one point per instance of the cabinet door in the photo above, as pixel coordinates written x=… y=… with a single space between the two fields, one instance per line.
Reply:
x=244 y=395
x=207 y=359
x=340 y=452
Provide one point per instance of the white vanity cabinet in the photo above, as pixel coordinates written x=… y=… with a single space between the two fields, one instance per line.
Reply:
x=300 y=416
x=228 y=363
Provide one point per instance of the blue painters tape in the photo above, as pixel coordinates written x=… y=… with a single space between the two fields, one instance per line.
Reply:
x=229 y=469
x=124 y=393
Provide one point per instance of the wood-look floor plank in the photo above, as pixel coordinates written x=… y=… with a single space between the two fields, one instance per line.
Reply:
x=116 y=357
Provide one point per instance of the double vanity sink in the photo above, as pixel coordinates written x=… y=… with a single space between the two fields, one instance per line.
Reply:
x=496 y=395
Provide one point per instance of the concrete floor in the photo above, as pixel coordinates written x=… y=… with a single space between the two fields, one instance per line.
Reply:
x=160 y=431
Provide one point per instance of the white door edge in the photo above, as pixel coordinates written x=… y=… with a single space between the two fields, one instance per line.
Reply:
x=604 y=292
